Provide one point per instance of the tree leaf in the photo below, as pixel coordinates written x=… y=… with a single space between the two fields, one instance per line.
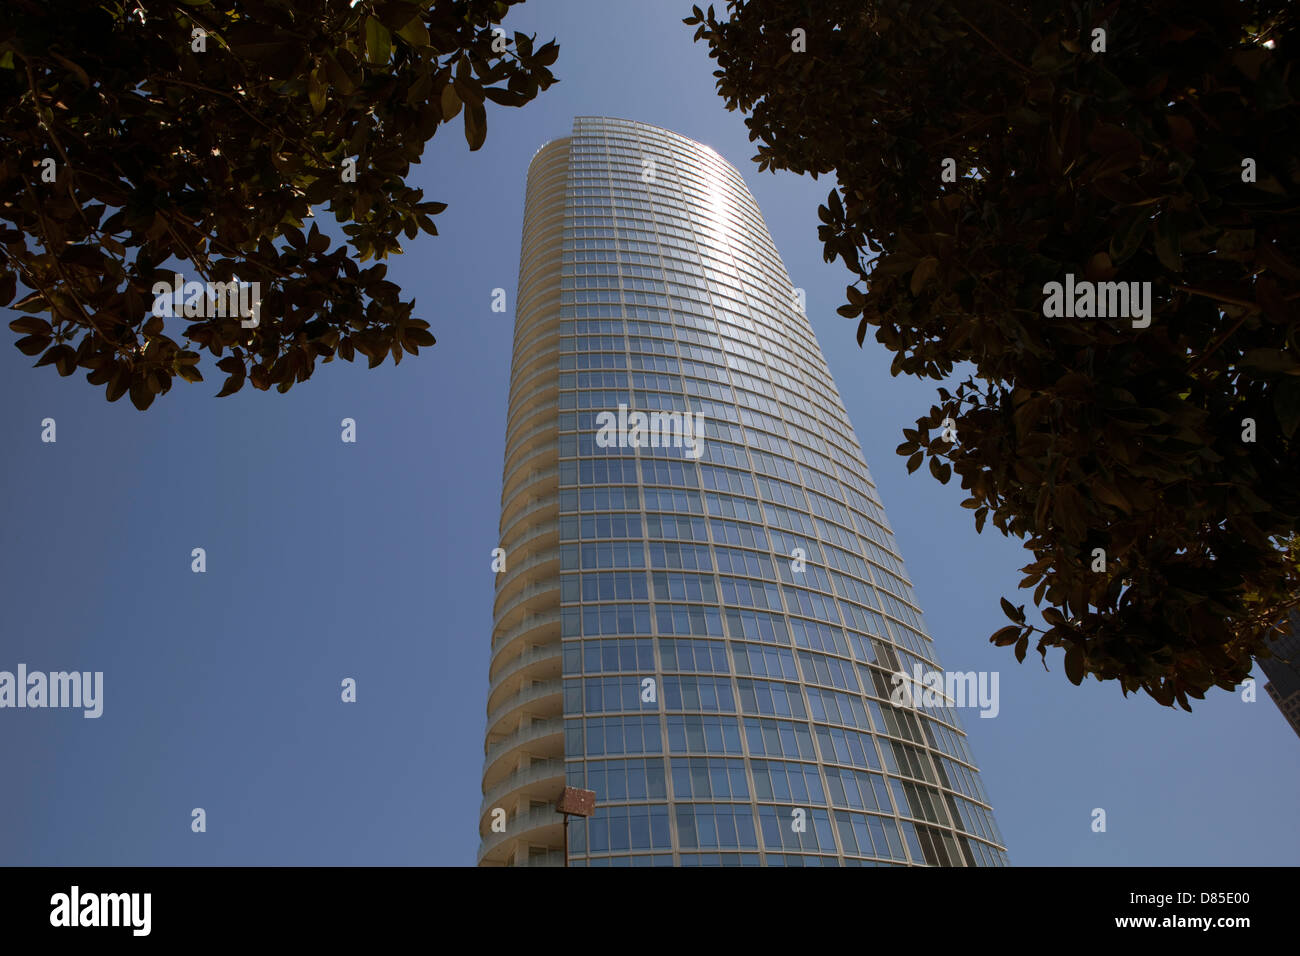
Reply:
x=1168 y=244
x=450 y=102
x=338 y=76
x=142 y=395
x=31 y=325
x=73 y=68
x=316 y=91
x=414 y=32
x=1286 y=405
x=33 y=344
x=379 y=42
x=475 y=125
x=31 y=302
x=1074 y=664
x=924 y=271
x=1274 y=361
x=1005 y=636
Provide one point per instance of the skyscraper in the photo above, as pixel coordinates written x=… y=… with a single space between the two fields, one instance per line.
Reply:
x=702 y=609
x=1283 y=671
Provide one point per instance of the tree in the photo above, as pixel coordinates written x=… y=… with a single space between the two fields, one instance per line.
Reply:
x=984 y=150
x=134 y=134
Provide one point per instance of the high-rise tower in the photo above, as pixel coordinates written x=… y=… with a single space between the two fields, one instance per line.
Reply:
x=704 y=630
x=1283 y=671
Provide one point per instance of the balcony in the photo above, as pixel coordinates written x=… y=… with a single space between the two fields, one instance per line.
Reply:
x=535 y=509
x=537 y=484
x=538 y=436
x=549 y=452
x=538 y=627
x=540 y=825
x=527 y=695
x=543 y=778
x=548 y=653
x=539 y=597
x=534 y=735
x=541 y=415
x=552 y=858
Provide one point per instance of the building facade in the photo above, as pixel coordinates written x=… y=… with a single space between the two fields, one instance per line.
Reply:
x=701 y=611
x=1283 y=671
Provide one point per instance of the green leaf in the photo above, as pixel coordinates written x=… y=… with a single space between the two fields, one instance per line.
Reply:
x=475 y=125
x=1128 y=234
x=1286 y=405
x=547 y=53
x=1274 y=361
x=414 y=32
x=1074 y=664
x=117 y=387
x=103 y=374
x=1016 y=614
x=450 y=102
x=31 y=325
x=468 y=88
x=1022 y=646
x=940 y=470
x=316 y=91
x=1168 y=244
x=379 y=42
x=31 y=302
x=1108 y=494
x=338 y=76
x=504 y=97
x=924 y=270
x=65 y=359
x=76 y=70
x=233 y=384
x=419 y=91
x=141 y=394
x=32 y=344
x=1004 y=636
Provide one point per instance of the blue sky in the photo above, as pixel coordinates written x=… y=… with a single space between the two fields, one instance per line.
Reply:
x=371 y=560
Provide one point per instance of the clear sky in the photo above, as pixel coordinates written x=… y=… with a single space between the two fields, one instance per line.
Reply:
x=371 y=560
